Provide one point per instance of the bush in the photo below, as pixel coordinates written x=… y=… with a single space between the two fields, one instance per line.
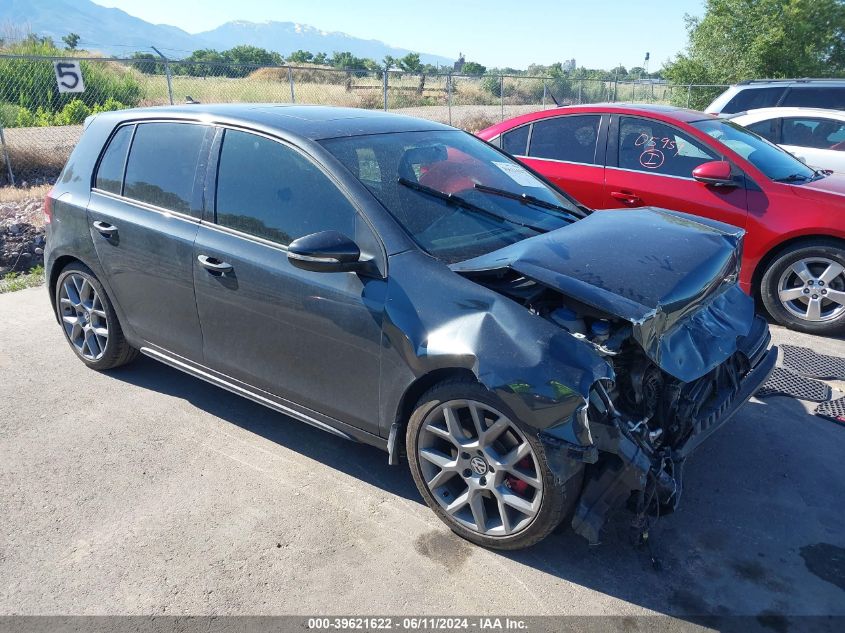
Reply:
x=31 y=83
x=73 y=113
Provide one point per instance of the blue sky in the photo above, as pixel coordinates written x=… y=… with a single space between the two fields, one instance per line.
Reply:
x=598 y=34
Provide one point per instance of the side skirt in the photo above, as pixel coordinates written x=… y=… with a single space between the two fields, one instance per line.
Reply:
x=330 y=425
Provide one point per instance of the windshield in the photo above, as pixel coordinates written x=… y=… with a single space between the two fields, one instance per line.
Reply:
x=455 y=195
x=776 y=163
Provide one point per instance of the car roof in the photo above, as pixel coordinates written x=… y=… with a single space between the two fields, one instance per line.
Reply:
x=766 y=113
x=762 y=83
x=306 y=121
x=658 y=111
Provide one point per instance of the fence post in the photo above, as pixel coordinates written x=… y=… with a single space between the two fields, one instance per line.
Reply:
x=449 y=96
x=502 y=94
x=6 y=157
x=580 y=88
x=689 y=94
x=544 y=94
x=384 y=87
x=167 y=73
x=290 y=82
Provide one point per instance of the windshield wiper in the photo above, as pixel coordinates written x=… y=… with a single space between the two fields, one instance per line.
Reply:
x=793 y=178
x=457 y=201
x=525 y=198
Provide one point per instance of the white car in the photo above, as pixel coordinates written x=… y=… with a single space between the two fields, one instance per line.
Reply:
x=814 y=135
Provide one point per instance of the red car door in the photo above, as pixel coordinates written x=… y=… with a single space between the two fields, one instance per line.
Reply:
x=650 y=163
x=568 y=150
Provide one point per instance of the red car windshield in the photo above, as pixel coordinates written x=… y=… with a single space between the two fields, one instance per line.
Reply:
x=776 y=163
x=455 y=195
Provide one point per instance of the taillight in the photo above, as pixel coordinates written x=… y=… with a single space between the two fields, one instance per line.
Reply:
x=48 y=207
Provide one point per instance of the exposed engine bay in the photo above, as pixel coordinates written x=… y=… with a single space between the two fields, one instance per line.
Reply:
x=636 y=431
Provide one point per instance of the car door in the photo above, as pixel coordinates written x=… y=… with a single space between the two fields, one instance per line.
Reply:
x=650 y=163
x=569 y=151
x=144 y=212
x=818 y=141
x=311 y=338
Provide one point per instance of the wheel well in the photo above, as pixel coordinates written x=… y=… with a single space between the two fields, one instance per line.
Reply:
x=58 y=266
x=416 y=390
x=767 y=259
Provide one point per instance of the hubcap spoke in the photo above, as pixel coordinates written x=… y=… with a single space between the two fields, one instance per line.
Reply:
x=800 y=269
x=479 y=515
x=831 y=272
x=836 y=296
x=790 y=294
x=814 y=310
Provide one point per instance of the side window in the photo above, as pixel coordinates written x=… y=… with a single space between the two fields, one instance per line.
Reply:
x=516 y=141
x=269 y=190
x=650 y=146
x=830 y=98
x=162 y=164
x=766 y=129
x=753 y=98
x=816 y=133
x=569 y=138
x=110 y=171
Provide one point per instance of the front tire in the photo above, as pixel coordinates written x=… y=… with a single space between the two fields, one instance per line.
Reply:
x=482 y=471
x=804 y=288
x=89 y=321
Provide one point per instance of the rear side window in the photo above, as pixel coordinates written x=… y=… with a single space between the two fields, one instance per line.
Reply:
x=163 y=163
x=568 y=138
x=110 y=172
x=814 y=132
x=516 y=141
x=753 y=98
x=269 y=190
x=766 y=129
x=830 y=98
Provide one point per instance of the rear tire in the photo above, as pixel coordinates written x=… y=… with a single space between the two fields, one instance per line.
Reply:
x=89 y=321
x=804 y=288
x=482 y=471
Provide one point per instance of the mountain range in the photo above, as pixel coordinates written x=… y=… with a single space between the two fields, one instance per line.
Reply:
x=114 y=32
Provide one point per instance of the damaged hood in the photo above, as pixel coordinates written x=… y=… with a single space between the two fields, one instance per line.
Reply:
x=671 y=275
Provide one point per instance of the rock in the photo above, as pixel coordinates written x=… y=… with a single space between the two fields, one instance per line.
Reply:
x=26 y=255
x=39 y=251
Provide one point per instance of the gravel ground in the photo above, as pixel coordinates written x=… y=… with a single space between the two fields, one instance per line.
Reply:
x=145 y=491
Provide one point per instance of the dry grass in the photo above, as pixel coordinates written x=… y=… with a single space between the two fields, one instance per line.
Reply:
x=16 y=194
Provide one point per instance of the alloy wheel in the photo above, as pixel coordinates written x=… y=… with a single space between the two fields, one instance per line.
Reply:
x=813 y=289
x=480 y=468
x=83 y=317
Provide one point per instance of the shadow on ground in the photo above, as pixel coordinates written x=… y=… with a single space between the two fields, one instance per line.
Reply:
x=759 y=532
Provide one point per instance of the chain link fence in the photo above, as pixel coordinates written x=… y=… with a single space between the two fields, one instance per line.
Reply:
x=39 y=126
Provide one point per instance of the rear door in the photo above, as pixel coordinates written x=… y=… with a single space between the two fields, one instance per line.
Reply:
x=650 y=163
x=311 y=338
x=144 y=212
x=817 y=141
x=569 y=150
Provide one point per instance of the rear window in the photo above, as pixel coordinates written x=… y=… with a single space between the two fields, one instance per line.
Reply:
x=753 y=98
x=110 y=172
x=163 y=163
x=567 y=138
x=767 y=129
x=830 y=98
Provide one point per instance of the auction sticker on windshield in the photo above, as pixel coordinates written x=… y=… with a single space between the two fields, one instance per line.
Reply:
x=519 y=175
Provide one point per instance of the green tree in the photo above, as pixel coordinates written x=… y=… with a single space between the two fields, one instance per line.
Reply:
x=754 y=39
x=388 y=62
x=321 y=59
x=71 y=40
x=410 y=63
x=474 y=68
x=148 y=63
x=300 y=57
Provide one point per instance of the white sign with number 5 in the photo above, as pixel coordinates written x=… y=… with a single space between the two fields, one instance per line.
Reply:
x=69 y=76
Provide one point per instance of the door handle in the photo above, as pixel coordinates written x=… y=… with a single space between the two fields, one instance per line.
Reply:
x=214 y=265
x=627 y=197
x=104 y=228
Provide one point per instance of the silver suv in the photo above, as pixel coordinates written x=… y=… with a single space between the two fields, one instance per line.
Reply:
x=769 y=93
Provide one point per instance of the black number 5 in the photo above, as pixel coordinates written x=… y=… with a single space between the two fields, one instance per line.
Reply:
x=68 y=75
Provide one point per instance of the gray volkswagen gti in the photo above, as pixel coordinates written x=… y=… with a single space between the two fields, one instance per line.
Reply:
x=398 y=282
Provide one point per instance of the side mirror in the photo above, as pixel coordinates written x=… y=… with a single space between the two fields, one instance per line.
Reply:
x=325 y=252
x=715 y=172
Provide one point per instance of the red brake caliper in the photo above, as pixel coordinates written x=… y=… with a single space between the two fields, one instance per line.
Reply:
x=516 y=484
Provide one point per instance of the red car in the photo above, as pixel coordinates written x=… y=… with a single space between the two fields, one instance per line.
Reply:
x=615 y=156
